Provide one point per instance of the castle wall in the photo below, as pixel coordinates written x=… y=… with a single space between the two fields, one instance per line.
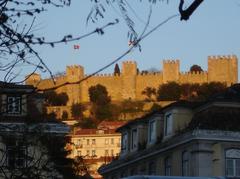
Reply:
x=129 y=84
x=193 y=77
x=223 y=69
x=129 y=73
x=147 y=80
x=171 y=70
x=111 y=82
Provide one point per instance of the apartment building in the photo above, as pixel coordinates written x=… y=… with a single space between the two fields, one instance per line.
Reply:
x=183 y=139
x=23 y=132
x=96 y=147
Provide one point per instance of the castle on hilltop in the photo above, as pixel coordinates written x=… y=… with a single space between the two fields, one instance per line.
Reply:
x=130 y=84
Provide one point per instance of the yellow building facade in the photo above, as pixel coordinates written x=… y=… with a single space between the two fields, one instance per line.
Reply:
x=96 y=146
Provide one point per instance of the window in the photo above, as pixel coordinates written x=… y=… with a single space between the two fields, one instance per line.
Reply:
x=106 y=152
x=106 y=141
x=233 y=163
x=88 y=152
x=79 y=142
x=167 y=165
x=16 y=154
x=185 y=163
x=168 y=125
x=134 y=139
x=152 y=168
x=112 y=152
x=142 y=169
x=93 y=141
x=79 y=153
x=93 y=153
x=14 y=105
x=87 y=141
x=152 y=131
x=124 y=141
x=112 y=141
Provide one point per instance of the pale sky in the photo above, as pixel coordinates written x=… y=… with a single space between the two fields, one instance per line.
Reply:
x=214 y=29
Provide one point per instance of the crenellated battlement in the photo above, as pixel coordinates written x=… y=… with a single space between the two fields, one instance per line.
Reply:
x=222 y=57
x=75 y=67
x=150 y=74
x=33 y=78
x=171 y=61
x=129 y=62
x=130 y=84
x=194 y=73
x=106 y=75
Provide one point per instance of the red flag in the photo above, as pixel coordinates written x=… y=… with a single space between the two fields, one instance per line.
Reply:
x=76 y=46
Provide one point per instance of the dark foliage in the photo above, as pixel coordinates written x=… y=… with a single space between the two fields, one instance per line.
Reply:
x=150 y=93
x=98 y=95
x=54 y=99
x=169 y=92
x=192 y=92
x=57 y=152
x=64 y=115
x=77 y=111
x=101 y=103
x=129 y=106
x=116 y=70
x=86 y=123
x=196 y=68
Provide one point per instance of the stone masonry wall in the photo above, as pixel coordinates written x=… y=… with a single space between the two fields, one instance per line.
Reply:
x=130 y=84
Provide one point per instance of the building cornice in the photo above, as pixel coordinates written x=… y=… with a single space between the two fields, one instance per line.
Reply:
x=208 y=135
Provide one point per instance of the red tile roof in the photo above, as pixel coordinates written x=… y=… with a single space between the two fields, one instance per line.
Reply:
x=111 y=124
x=94 y=131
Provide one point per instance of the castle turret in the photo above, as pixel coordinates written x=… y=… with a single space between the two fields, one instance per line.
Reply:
x=129 y=73
x=223 y=69
x=33 y=79
x=73 y=75
x=171 y=70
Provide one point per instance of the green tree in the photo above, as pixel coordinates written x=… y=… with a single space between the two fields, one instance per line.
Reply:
x=77 y=110
x=169 y=92
x=150 y=93
x=189 y=91
x=87 y=123
x=101 y=102
x=98 y=95
x=207 y=90
x=116 y=70
x=64 y=115
x=129 y=106
x=196 y=68
x=54 y=99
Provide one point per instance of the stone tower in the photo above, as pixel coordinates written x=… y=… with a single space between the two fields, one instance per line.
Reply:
x=129 y=73
x=33 y=79
x=73 y=75
x=223 y=69
x=171 y=70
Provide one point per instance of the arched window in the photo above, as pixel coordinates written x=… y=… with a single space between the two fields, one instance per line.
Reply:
x=233 y=162
x=185 y=163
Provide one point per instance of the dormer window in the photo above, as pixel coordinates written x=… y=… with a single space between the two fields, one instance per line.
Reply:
x=168 y=129
x=152 y=131
x=134 y=139
x=14 y=105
